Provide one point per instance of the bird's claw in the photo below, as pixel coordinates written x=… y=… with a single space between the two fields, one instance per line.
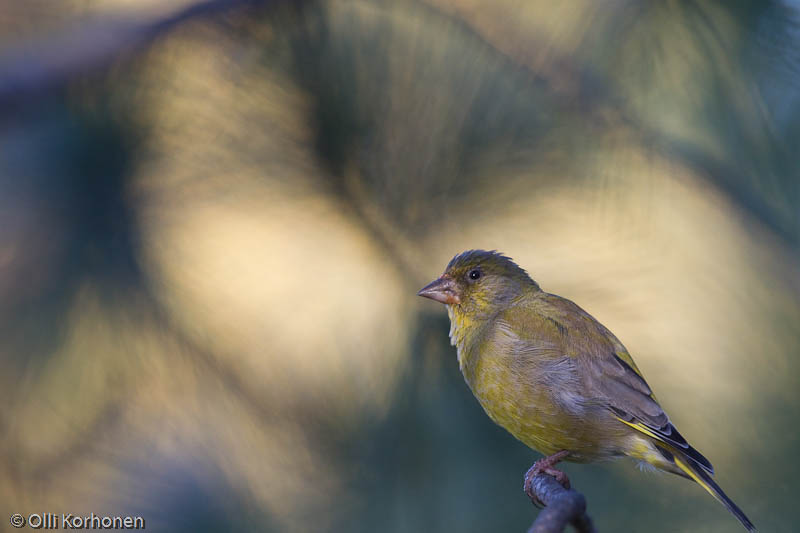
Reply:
x=545 y=466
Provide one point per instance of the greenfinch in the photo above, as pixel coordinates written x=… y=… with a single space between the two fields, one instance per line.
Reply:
x=554 y=377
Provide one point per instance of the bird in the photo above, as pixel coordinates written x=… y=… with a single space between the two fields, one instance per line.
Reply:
x=556 y=378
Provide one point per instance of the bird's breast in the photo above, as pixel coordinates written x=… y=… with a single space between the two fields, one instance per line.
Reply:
x=537 y=404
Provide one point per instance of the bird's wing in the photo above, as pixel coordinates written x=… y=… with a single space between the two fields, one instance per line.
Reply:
x=630 y=399
x=611 y=376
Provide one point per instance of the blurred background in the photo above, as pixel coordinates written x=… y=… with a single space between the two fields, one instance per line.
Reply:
x=214 y=219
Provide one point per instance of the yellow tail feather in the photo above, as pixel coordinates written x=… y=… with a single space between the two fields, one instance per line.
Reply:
x=704 y=480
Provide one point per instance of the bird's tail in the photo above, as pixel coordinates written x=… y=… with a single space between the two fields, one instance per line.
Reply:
x=688 y=468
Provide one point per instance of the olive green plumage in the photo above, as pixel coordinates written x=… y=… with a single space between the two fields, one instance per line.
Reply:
x=553 y=376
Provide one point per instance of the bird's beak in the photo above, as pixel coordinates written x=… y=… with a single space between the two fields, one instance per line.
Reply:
x=442 y=290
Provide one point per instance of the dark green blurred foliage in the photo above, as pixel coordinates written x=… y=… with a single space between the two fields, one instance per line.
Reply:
x=210 y=246
x=68 y=166
x=464 y=102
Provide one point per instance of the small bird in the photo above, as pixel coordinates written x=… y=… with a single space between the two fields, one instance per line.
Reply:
x=554 y=377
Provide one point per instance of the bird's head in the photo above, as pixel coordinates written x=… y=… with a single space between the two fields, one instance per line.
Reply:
x=477 y=282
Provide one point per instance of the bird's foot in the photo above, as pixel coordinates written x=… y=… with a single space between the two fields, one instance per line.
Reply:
x=545 y=466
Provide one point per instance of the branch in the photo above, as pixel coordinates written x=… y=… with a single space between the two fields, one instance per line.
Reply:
x=563 y=506
x=30 y=70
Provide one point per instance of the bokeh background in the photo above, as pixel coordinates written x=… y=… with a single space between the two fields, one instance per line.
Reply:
x=214 y=219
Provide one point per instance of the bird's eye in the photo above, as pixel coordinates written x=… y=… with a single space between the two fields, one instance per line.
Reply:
x=474 y=274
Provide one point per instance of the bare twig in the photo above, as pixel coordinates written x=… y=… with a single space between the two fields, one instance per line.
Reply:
x=563 y=506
